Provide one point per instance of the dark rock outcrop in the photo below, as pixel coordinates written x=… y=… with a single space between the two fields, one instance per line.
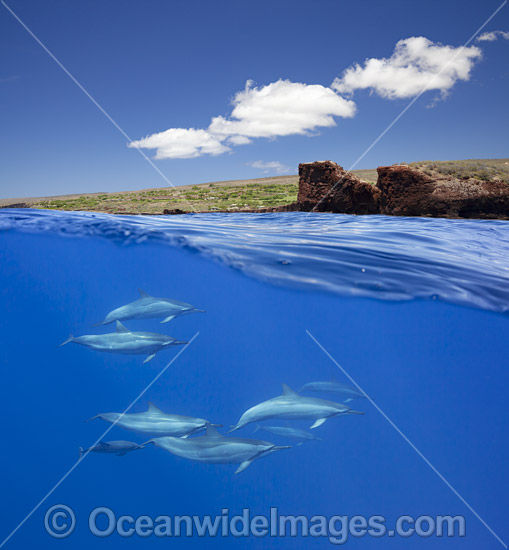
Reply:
x=401 y=190
x=409 y=192
x=326 y=187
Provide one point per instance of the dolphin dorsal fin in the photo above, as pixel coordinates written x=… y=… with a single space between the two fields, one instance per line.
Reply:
x=144 y=294
x=153 y=409
x=212 y=432
x=288 y=391
x=121 y=327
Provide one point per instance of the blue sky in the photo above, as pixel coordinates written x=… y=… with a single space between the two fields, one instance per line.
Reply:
x=162 y=65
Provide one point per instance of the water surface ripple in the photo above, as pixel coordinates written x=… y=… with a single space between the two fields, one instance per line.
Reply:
x=390 y=258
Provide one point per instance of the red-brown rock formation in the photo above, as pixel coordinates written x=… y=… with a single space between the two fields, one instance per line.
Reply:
x=400 y=191
x=327 y=187
x=406 y=191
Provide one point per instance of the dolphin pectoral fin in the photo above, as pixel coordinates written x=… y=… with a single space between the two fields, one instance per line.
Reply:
x=257 y=428
x=70 y=339
x=93 y=418
x=149 y=358
x=348 y=400
x=351 y=411
x=81 y=451
x=168 y=319
x=243 y=466
x=121 y=454
x=299 y=444
x=317 y=423
x=184 y=436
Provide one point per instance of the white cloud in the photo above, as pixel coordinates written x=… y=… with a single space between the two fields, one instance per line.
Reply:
x=281 y=108
x=492 y=36
x=273 y=166
x=416 y=65
x=284 y=108
x=182 y=143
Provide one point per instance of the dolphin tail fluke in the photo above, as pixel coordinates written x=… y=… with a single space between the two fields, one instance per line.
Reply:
x=70 y=339
x=149 y=358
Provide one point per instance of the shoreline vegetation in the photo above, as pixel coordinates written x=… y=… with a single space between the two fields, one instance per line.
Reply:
x=251 y=195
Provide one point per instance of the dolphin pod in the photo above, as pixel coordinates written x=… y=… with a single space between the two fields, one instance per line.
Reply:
x=332 y=386
x=172 y=432
x=292 y=406
x=118 y=448
x=126 y=342
x=215 y=448
x=154 y=421
x=149 y=307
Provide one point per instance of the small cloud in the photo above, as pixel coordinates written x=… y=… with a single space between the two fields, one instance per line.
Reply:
x=492 y=36
x=273 y=166
x=417 y=64
x=182 y=143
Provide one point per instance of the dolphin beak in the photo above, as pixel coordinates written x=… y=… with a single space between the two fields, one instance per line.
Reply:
x=232 y=429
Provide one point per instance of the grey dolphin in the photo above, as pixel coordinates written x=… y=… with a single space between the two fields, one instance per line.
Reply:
x=215 y=448
x=119 y=448
x=126 y=342
x=292 y=406
x=154 y=421
x=149 y=307
x=332 y=386
x=286 y=431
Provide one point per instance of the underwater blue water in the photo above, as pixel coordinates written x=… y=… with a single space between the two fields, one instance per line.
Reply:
x=414 y=310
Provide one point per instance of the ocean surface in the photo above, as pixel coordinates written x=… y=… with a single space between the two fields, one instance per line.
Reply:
x=412 y=311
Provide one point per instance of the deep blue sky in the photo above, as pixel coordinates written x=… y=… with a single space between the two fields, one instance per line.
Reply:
x=159 y=65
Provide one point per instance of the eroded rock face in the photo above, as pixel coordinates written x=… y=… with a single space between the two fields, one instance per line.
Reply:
x=326 y=187
x=400 y=191
x=406 y=191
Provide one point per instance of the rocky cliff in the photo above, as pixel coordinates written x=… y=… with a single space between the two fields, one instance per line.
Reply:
x=401 y=190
